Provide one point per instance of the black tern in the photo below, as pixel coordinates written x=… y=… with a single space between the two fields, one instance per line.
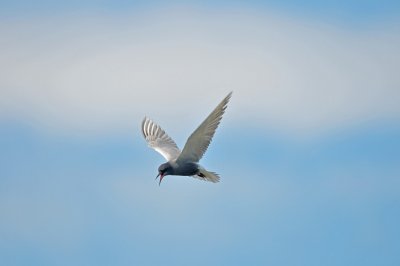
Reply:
x=185 y=163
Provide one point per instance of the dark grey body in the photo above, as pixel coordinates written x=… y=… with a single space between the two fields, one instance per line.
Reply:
x=175 y=168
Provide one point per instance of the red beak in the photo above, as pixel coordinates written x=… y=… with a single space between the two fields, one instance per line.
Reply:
x=161 y=177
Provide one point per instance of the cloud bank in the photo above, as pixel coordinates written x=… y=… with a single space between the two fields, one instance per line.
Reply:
x=91 y=73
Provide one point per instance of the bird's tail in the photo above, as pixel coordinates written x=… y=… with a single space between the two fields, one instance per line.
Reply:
x=203 y=174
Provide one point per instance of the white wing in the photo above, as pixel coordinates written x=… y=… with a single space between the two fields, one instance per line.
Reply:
x=159 y=140
x=198 y=142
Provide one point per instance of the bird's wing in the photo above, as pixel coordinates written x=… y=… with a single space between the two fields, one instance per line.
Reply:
x=159 y=140
x=198 y=142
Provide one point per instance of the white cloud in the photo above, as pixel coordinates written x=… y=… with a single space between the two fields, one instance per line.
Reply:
x=92 y=73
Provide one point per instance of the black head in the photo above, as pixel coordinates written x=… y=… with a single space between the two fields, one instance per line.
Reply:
x=163 y=170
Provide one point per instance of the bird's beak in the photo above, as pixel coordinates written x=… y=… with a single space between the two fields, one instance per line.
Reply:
x=161 y=178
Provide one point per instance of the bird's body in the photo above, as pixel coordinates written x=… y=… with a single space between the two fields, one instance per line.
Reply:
x=185 y=163
x=183 y=169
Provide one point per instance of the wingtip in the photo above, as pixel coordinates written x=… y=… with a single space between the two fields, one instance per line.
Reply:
x=228 y=97
x=143 y=125
x=225 y=101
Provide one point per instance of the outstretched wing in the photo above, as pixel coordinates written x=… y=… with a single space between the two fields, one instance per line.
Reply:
x=159 y=140
x=198 y=142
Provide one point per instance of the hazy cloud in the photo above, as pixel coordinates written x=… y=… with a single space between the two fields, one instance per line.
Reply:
x=92 y=73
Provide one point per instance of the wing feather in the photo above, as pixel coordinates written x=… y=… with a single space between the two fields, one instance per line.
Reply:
x=159 y=140
x=198 y=142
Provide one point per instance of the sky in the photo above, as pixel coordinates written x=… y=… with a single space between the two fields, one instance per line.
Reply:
x=308 y=150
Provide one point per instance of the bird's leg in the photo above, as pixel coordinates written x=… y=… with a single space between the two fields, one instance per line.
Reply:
x=201 y=174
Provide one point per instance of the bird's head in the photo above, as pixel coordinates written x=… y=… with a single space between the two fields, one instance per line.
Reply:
x=163 y=170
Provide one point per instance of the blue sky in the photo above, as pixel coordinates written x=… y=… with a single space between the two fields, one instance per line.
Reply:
x=308 y=150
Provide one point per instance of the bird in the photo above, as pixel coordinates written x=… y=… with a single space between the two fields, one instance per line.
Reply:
x=185 y=162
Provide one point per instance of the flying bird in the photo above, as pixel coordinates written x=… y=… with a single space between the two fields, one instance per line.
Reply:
x=185 y=162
